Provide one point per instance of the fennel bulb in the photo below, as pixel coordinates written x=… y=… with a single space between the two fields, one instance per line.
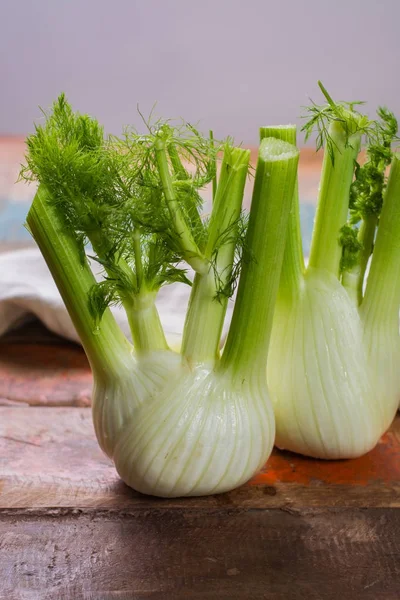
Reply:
x=175 y=424
x=334 y=361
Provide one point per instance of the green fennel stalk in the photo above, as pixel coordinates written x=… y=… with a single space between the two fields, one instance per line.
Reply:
x=211 y=290
x=293 y=261
x=333 y=200
x=382 y=294
x=248 y=338
x=106 y=347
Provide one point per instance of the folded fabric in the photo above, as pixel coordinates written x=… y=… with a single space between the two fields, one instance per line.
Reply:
x=27 y=290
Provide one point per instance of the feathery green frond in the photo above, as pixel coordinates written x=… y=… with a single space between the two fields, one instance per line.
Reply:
x=235 y=234
x=321 y=116
x=351 y=247
x=98 y=193
x=366 y=194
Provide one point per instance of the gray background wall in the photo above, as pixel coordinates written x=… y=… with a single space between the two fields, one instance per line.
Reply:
x=233 y=64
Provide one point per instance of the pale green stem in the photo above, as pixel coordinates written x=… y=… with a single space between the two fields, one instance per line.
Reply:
x=143 y=318
x=190 y=250
x=204 y=321
x=350 y=281
x=144 y=321
x=106 y=347
x=206 y=311
x=293 y=261
x=176 y=163
x=247 y=345
x=146 y=329
x=182 y=174
x=333 y=199
x=382 y=296
x=366 y=236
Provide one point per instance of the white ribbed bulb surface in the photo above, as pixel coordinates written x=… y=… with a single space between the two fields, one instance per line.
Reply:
x=382 y=346
x=116 y=399
x=185 y=432
x=320 y=375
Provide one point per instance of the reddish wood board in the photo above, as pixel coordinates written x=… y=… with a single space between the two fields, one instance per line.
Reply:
x=69 y=528
x=38 y=368
x=49 y=457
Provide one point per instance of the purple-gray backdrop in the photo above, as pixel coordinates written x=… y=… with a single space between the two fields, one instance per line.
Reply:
x=234 y=64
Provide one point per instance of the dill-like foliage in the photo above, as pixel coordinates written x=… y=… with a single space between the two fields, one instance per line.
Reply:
x=321 y=116
x=351 y=247
x=110 y=195
x=367 y=189
x=192 y=165
x=65 y=154
x=366 y=193
x=227 y=279
x=91 y=181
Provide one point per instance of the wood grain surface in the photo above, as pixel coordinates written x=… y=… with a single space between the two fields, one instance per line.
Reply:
x=36 y=375
x=38 y=368
x=173 y=555
x=70 y=529
x=49 y=457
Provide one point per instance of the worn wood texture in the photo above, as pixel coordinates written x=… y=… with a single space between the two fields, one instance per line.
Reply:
x=49 y=457
x=70 y=529
x=38 y=368
x=174 y=555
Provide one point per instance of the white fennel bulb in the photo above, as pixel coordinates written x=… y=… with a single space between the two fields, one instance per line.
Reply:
x=204 y=433
x=318 y=374
x=176 y=424
x=334 y=363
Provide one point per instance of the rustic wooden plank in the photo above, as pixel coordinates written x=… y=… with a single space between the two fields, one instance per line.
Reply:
x=173 y=555
x=49 y=457
x=40 y=369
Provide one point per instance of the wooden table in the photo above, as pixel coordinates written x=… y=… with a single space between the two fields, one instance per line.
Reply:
x=69 y=528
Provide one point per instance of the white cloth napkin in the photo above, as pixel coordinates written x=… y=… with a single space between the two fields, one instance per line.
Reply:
x=27 y=290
